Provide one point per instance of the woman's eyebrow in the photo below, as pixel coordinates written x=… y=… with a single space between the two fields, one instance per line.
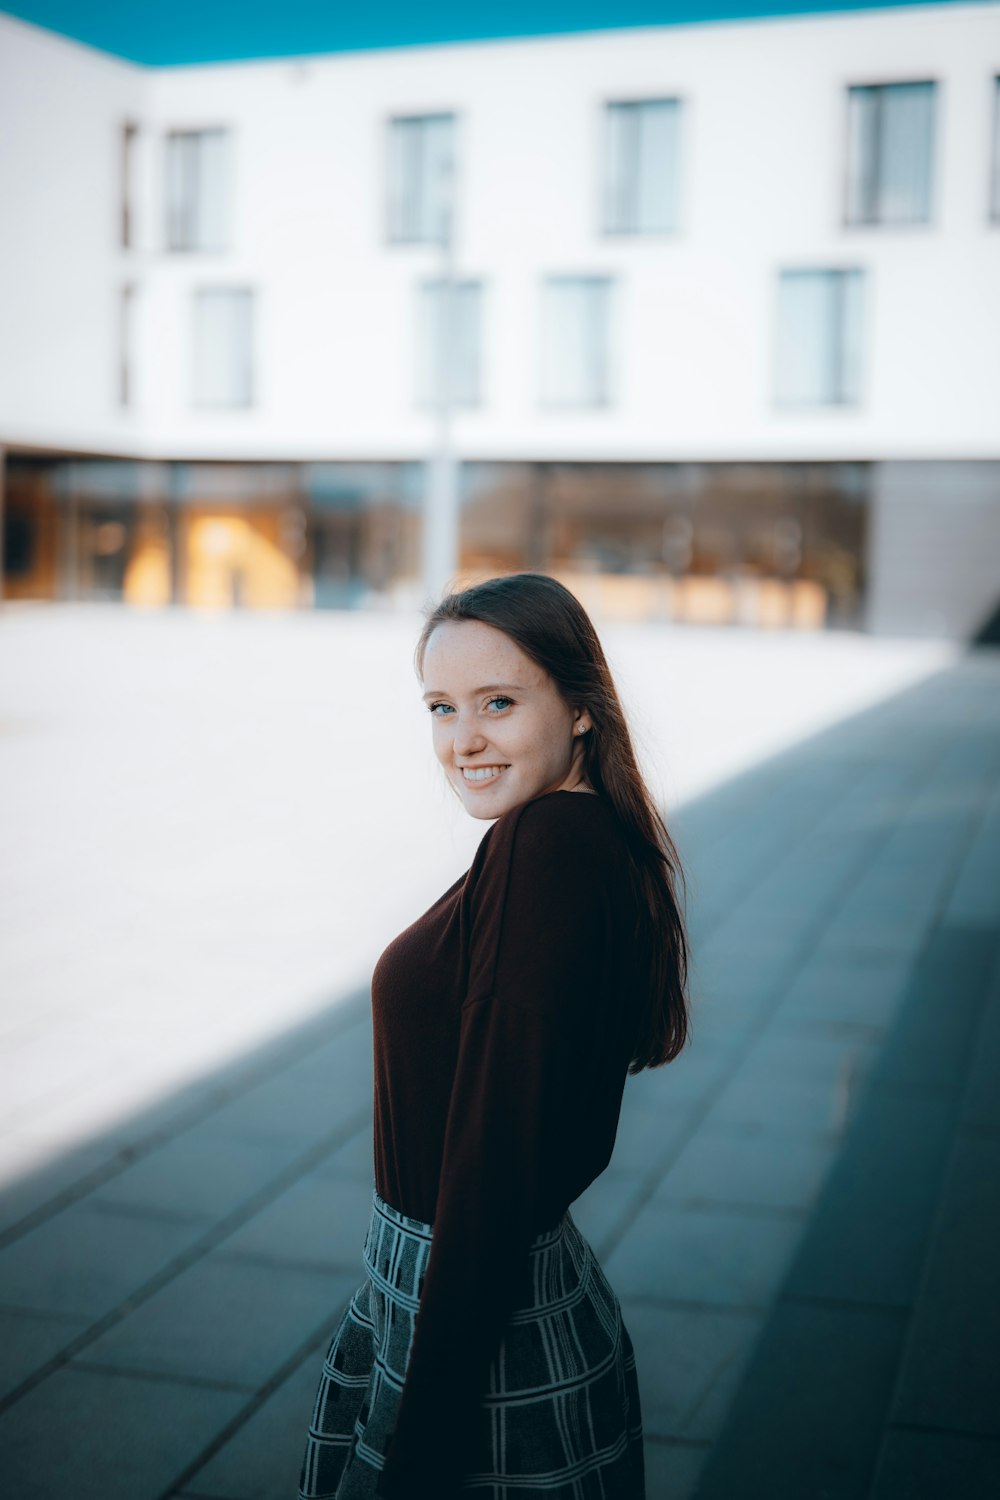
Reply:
x=490 y=687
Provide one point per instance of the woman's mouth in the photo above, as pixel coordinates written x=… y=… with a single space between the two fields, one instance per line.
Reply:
x=481 y=775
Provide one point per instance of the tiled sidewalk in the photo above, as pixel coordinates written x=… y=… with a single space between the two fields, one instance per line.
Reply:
x=802 y=1218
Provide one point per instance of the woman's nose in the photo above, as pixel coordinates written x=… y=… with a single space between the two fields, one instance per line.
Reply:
x=468 y=737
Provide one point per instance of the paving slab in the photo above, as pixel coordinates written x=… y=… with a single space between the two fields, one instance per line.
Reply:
x=697 y=1073
x=720 y=981
x=89 y=1258
x=224 y=1318
x=886 y=1327
x=918 y=1465
x=847 y=988
x=673 y=1469
x=975 y=897
x=607 y=1205
x=820 y=1378
x=30 y=1340
x=355 y=1158
x=981 y=1102
x=721 y=1257
x=651 y=1128
x=262 y=1458
x=314 y=1222
x=780 y=1105
x=930 y=1048
x=950 y=1374
x=807 y=1053
x=298 y=1104
x=197 y=1176
x=55 y=1168
x=698 y=1354
x=100 y=1436
x=865 y=1241
x=723 y=1166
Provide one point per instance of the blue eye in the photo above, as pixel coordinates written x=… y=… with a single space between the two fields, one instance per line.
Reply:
x=499 y=698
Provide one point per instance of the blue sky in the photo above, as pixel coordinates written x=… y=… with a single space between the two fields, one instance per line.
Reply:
x=159 y=32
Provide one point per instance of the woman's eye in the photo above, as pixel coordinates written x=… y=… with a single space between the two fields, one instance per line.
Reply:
x=500 y=698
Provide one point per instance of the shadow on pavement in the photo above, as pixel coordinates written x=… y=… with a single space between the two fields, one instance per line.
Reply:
x=801 y=1218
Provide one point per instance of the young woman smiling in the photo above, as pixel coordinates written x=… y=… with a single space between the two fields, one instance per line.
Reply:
x=485 y=1351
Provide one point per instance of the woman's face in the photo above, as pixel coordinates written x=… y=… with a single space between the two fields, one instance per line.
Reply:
x=496 y=713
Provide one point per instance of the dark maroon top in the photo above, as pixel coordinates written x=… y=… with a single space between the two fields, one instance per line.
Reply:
x=504 y=1021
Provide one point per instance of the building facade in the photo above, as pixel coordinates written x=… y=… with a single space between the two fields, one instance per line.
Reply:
x=706 y=314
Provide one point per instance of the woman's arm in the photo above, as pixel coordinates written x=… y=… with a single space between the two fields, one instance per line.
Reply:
x=538 y=934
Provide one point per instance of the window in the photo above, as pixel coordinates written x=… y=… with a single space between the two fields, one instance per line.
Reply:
x=448 y=343
x=421 y=178
x=890 y=153
x=575 y=340
x=198 y=189
x=642 y=165
x=819 y=338
x=223 y=346
x=129 y=139
x=995 y=164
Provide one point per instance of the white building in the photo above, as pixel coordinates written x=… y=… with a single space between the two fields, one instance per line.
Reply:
x=724 y=323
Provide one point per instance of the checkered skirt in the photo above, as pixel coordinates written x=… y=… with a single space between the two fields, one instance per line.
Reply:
x=560 y=1415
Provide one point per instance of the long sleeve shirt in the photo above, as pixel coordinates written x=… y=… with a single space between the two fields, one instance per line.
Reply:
x=504 y=1020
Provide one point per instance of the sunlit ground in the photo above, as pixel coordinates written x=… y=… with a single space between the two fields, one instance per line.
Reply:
x=213 y=824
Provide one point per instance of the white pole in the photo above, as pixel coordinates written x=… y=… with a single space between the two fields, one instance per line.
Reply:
x=440 y=530
x=3 y=460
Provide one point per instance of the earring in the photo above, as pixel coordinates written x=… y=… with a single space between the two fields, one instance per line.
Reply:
x=581 y=728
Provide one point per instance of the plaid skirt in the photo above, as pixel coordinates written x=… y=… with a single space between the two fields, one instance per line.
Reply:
x=560 y=1415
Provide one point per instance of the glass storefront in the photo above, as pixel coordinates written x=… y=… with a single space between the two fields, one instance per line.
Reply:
x=363 y=529
x=763 y=544
x=759 y=544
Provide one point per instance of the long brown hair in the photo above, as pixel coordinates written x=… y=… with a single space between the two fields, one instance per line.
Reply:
x=552 y=627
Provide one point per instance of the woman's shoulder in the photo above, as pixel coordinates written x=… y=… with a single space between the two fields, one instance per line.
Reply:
x=549 y=885
x=557 y=824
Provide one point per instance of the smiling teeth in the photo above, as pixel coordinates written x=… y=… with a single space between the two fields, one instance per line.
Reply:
x=484 y=773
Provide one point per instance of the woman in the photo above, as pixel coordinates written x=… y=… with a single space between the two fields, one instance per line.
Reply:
x=485 y=1353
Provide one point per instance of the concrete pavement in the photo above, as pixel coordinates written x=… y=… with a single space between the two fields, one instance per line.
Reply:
x=802 y=1218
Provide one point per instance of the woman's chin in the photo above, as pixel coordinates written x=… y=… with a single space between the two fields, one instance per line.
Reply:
x=487 y=799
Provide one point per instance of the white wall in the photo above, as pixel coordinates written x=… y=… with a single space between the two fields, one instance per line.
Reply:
x=61 y=109
x=763 y=159
x=934 y=551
